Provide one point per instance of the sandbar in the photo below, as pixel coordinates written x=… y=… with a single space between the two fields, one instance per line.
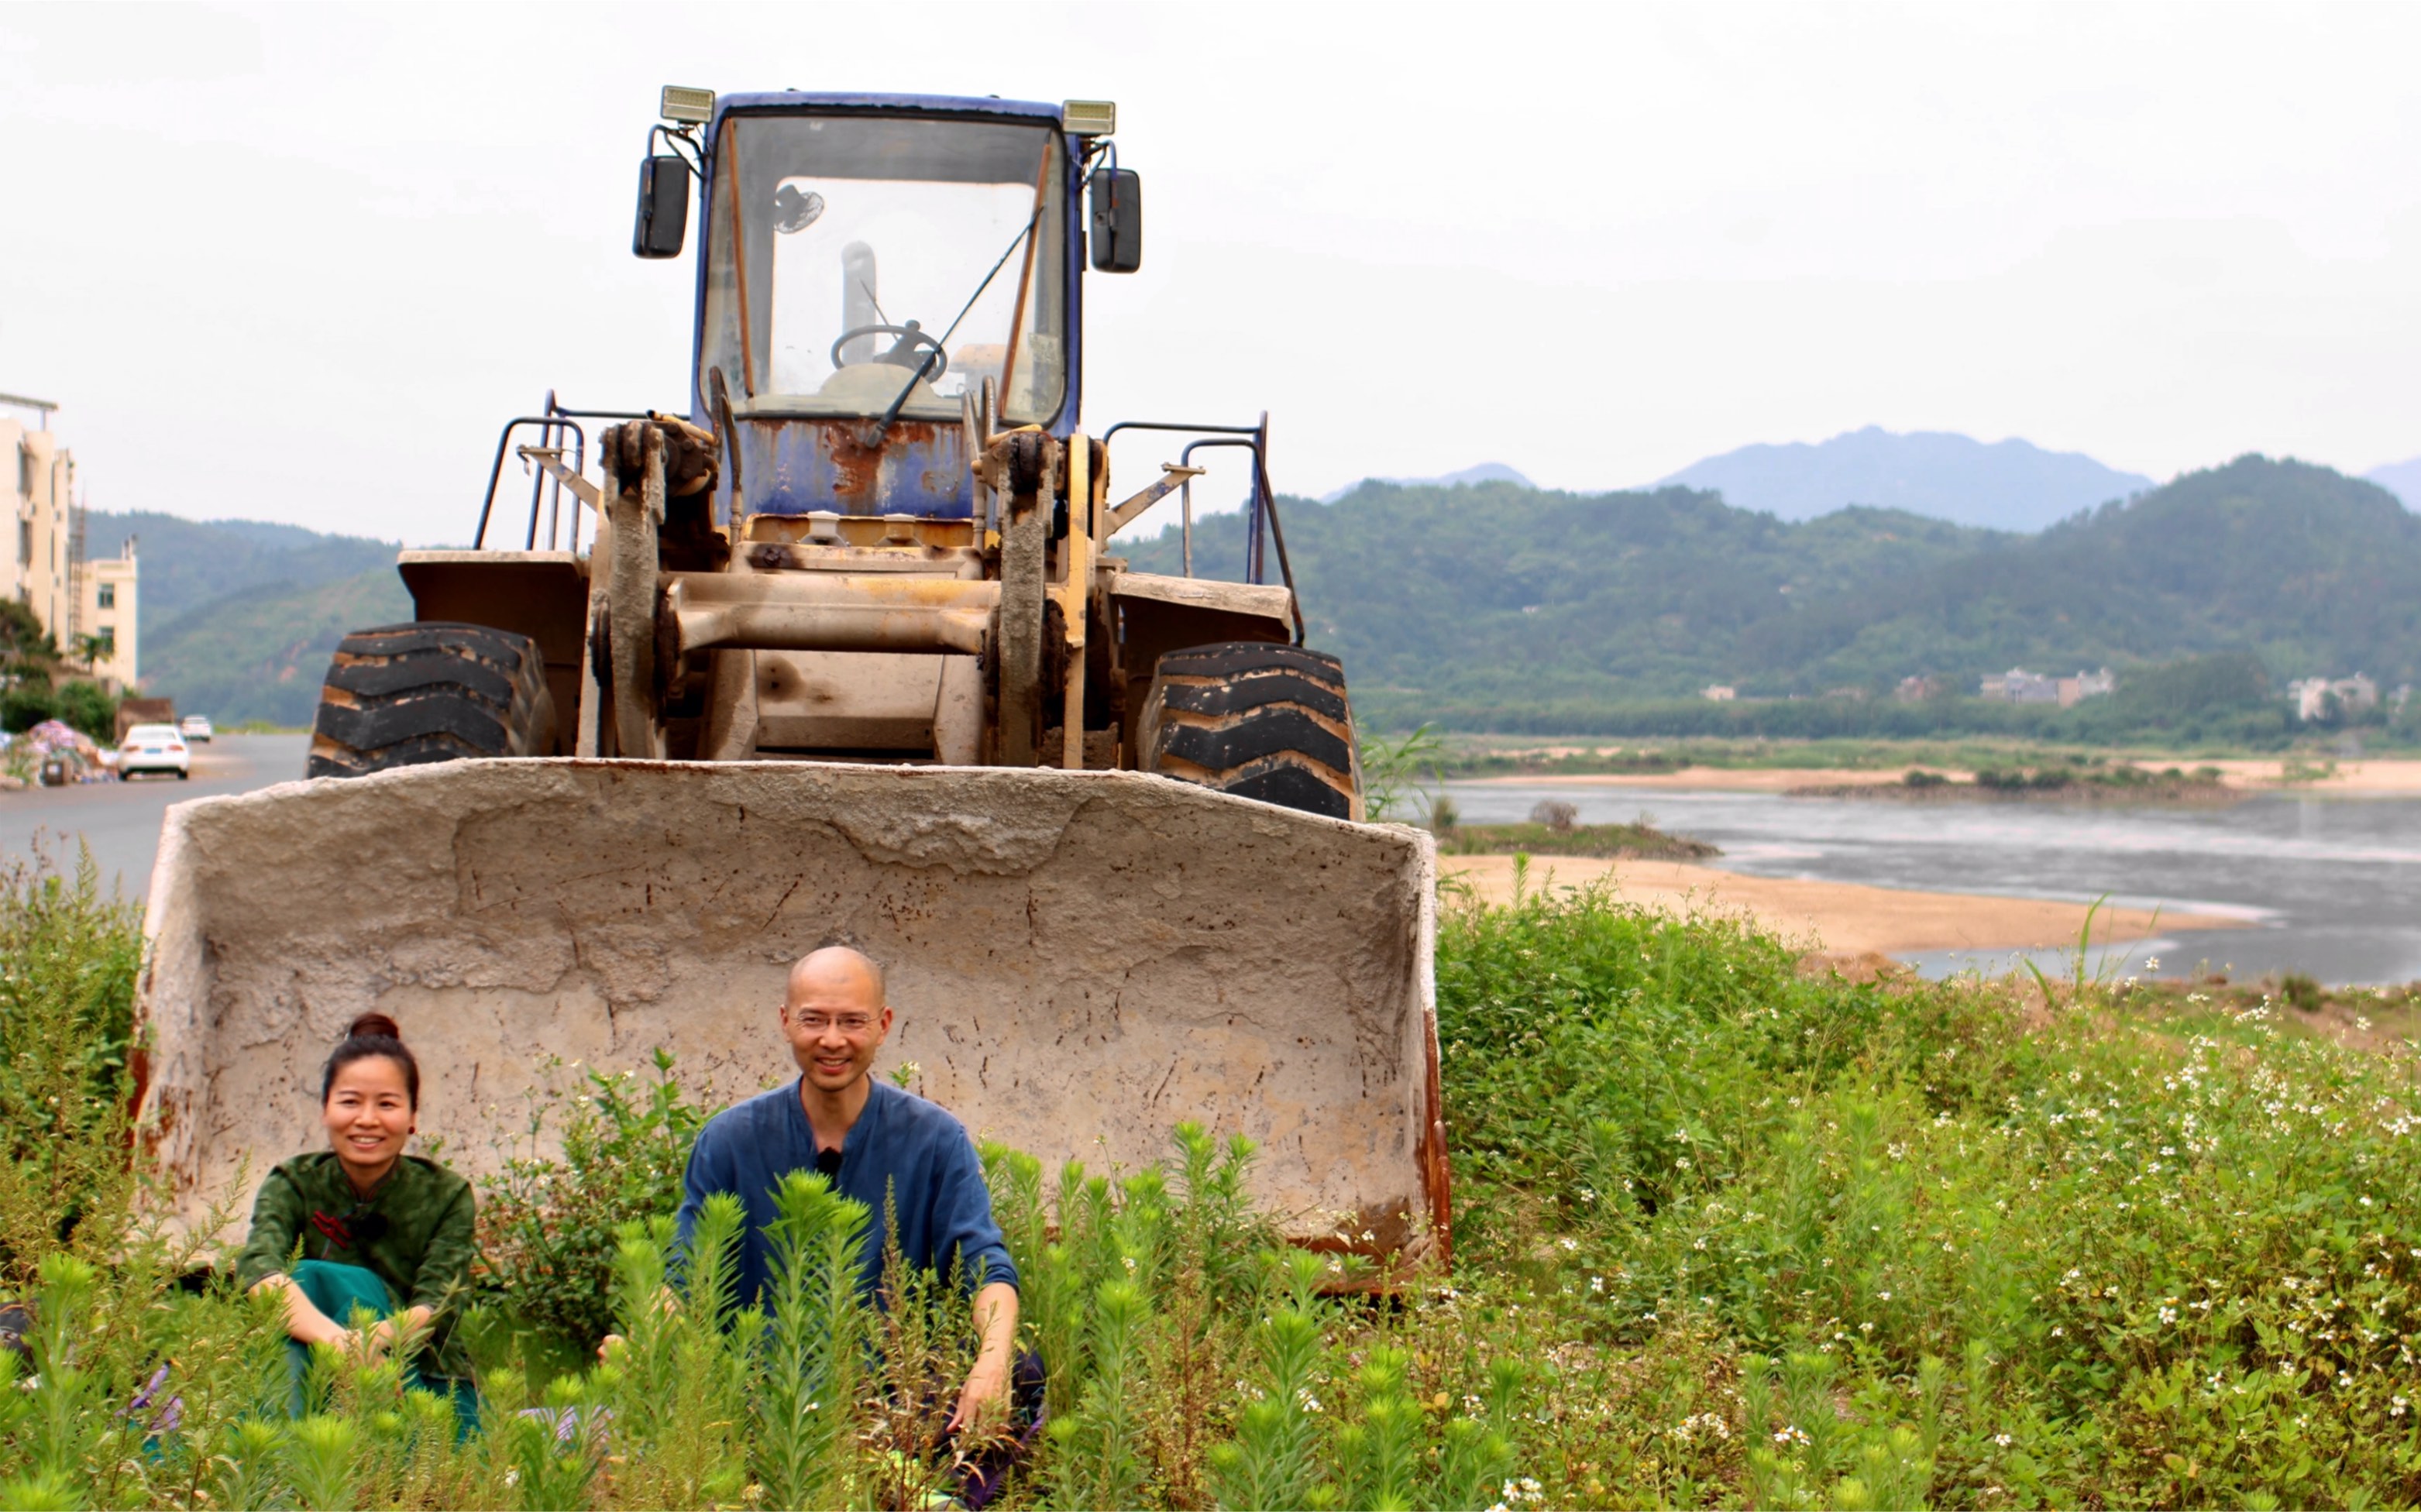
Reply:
x=1841 y=917
x=1705 y=779
x=2357 y=778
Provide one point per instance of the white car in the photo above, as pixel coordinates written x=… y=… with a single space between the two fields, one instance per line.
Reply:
x=196 y=728
x=154 y=748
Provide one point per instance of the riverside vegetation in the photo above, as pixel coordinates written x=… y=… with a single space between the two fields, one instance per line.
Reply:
x=1725 y=1234
x=1553 y=829
x=2072 y=782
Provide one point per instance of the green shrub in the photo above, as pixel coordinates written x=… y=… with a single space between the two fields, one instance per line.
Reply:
x=24 y=706
x=90 y=708
x=550 y=1225
x=2167 y=1267
x=2018 y=779
x=69 y=956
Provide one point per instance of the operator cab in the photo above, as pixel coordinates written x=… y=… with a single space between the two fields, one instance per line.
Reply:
x=880 y=276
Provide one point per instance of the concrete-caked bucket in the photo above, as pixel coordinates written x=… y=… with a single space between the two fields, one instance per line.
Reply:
x=1078 y=961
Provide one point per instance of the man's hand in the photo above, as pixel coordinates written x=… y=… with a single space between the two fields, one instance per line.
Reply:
x=983 y=1401
x=611 y=1345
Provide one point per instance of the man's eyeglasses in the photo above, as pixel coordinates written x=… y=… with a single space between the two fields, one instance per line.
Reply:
x=848 y=1023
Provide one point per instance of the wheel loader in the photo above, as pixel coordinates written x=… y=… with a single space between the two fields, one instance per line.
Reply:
x=840 y=648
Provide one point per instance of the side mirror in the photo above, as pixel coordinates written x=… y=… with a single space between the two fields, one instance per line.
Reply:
x=664 y=208
x=1117 y=220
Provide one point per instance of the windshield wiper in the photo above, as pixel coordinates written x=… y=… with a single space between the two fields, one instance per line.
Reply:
x=883 y=427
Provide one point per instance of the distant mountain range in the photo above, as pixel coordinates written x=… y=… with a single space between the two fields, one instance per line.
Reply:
x=1484 y=473
x=238 y=617
x=1495 y=607
x=2403 y=479
x=2007 y=485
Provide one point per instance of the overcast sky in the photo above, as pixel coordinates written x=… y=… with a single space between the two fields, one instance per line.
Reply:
x=300 y=263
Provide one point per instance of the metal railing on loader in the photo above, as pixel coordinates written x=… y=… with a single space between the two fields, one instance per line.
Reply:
x=1262 y=526
x=554 y=426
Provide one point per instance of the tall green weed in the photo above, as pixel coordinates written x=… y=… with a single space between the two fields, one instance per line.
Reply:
x=69 y=956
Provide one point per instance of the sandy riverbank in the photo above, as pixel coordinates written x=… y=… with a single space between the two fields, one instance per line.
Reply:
x=1845 y=918
x=2372 y=778
x=2364 y=778
x=1704 y=779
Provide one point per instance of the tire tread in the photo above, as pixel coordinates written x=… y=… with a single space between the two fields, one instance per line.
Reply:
x=1255 y=719
x=405 y=696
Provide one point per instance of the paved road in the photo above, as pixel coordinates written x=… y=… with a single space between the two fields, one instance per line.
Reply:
x=121 y=820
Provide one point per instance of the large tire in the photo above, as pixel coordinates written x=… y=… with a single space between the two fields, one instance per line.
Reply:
x=403 y=695
x=1258 y=720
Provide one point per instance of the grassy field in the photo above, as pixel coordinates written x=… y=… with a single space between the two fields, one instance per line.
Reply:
x=1726 y=1234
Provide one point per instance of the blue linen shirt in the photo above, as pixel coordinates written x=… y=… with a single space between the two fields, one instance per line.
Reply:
x=901 y=1148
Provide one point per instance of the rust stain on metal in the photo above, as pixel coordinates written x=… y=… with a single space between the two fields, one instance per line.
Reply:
x=1436 y=1167
x=857 y=469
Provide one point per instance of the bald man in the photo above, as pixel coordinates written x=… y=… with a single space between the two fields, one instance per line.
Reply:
x=875 y=1143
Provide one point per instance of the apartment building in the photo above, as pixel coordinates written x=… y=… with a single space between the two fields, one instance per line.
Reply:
x=43 y=564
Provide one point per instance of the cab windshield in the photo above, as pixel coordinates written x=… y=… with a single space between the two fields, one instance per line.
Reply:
x=871 y=250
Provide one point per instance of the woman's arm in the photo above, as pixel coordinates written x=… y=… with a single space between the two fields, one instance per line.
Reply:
x=308 y=1324
x=276 y=1220
x=444 y=1270
x=303 y=1322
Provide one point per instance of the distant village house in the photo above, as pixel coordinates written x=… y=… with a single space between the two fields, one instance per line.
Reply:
x=44 y=567
x=2019 y=686
x=1718 y=693
x=2321 y=698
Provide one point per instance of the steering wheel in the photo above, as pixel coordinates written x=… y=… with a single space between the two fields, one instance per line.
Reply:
x=910 y=336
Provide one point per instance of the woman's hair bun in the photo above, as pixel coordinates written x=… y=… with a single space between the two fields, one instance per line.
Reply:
x=375 y=1026
x=372 y=1036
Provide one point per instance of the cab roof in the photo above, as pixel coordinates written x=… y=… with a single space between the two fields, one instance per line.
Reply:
x=805 y=101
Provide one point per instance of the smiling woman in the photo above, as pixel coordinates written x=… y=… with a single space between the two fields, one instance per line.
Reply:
x=369 y=1247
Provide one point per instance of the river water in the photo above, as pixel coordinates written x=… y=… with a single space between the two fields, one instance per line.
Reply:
x=2330 y=886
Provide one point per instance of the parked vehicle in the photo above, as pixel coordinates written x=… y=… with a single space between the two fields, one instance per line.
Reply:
x=133 y=711
x=154 y=748
x=196 y=728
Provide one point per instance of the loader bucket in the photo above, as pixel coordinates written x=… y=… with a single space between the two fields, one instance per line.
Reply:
x=1078 y=962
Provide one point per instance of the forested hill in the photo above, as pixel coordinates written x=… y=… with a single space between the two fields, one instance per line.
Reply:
x=239 y=617
x=1492 y=598
x=1492 y=605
